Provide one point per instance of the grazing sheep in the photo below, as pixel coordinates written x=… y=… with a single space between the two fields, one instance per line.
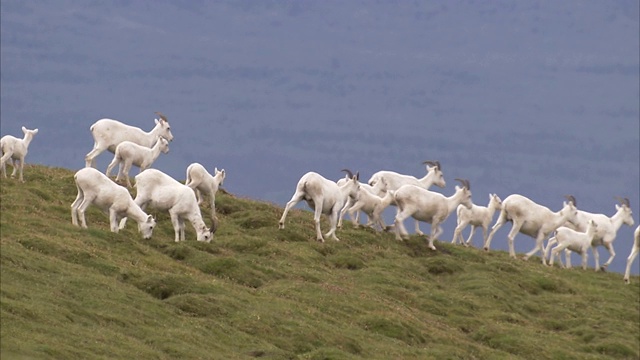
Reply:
x=476 y=216
x=163 y=192
x=634 y=252
x=108 y=133
x=128 y=154
x=15 y=149
x=96 y=188
x=428 y=206
x=324 y=196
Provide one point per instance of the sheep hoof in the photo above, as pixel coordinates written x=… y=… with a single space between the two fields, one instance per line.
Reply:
x=603 y=268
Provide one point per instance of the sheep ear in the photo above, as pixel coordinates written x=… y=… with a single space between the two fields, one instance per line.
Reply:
x=35 y=131
x=156 y=121
x=215 y=169
x=150 y=218
x=24 y=129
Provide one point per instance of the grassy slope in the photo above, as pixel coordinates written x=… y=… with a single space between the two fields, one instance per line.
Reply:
x=257 y=291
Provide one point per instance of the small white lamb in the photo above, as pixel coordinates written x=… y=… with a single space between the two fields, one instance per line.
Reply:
x=128 y=153
x=571 y=240
x=199 y=179
x=15 y=149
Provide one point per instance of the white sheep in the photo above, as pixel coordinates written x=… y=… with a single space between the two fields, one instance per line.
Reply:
x=324 y=196
x=108 y=133
x=531 y=219
x=607 y=229
x=476 y=216
x=15 y=150
x=372 y=205
x=377 y=191
x=96 y=188
x=394 y=181
x=199 y=179
x=635 y=249
x=428 y=206
x=571 y=240
x=164 y=193
x=128 y=153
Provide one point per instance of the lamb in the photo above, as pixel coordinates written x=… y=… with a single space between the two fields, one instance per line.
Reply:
x=129 y=153
x=571 y=240
x=607 y=229
x=96 y=188
x=376 y=191
x=162 y=192
x=199 y=179
x=394 y=181
x=476 y=216
x=531 y=219
x=108 y=133
x=428 y=206
x=635 y=249
x=372 y=205
x=325 y=197
x=15 y=149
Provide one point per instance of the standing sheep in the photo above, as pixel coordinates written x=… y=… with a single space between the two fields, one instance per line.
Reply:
x=15 y=149
x=199 y=179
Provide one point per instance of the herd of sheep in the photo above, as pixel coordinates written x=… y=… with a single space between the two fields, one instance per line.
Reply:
x=569 y=229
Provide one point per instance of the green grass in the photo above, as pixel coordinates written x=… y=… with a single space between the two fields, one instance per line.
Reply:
x=260 y=292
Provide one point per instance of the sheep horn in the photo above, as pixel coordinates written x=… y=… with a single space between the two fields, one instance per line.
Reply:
x=348 y=172
x=358 y=175
x=214 y=226
x=623 y=201
x=571 y=199
x=465 y=183
x=162 y=116
x=432 y=163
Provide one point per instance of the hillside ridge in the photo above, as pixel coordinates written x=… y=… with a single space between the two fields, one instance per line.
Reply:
x=259 y=292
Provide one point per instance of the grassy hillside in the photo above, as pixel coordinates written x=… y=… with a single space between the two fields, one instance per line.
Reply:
x=260 y=292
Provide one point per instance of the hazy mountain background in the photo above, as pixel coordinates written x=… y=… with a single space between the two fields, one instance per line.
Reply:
x=539 y=98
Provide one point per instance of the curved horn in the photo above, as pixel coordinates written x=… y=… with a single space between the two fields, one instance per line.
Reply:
x=571 y=199
x=358 y=175
x=623 y=201
x=348 y=172
x=214 y=226
x=161 y=116
x=432 y=163
x=464 y=182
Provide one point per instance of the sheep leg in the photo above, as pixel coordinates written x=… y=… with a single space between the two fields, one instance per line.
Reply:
x=418 y=231
x=182 y=226
x=547 y=249
x=296 y=198
x=499 y=223
x=317 y=213
x=596 y=257
x=632 y=256
x=457 y=233
x=113 y=220
x=401 y=231
x=510 y=237
x=538 y=246
x=584 y=255
x=346 y=209
x=81 y=211
x=111 y=166
x=612 y=254
x=436 y=230
x=333 y=221
x=466 y=243
x=91 y=156
x=74 y=207
x=3 y=163
x=21 y=169
x=567 y=258
x=176 y=226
